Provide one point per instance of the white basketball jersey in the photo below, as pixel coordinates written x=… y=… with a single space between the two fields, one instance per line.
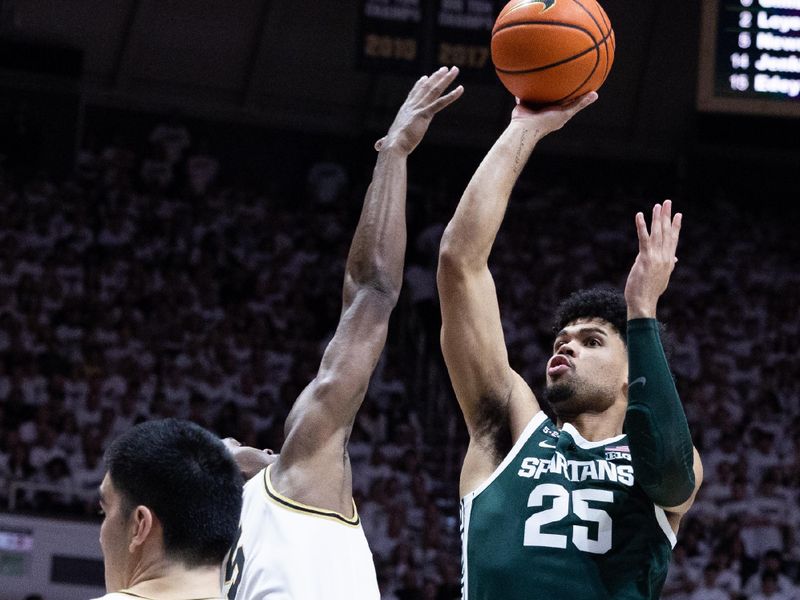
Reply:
x=126 y=595
x=290 y=551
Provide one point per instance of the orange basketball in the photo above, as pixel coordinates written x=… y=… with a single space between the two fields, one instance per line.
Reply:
x=551 y=51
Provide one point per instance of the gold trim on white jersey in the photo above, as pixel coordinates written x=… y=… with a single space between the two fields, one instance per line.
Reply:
x=312 y=511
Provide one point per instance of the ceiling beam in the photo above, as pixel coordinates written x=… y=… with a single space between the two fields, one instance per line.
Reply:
x=119 y=71
x=256 y=57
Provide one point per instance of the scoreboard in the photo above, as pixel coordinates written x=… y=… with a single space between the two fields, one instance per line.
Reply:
x=750 y=57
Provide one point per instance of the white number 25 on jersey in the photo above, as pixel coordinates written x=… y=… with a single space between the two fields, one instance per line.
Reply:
x=560 y=509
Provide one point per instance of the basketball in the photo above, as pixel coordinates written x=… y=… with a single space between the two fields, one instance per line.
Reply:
x=552 y=51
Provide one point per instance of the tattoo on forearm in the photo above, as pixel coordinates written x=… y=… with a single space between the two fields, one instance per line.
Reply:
x=518 y=162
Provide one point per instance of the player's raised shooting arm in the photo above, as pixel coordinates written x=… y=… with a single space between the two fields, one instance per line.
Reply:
x=666 y=464
x=320 y=421
x=472 y=335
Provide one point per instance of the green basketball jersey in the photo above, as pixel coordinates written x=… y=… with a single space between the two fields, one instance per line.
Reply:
x=562 y=517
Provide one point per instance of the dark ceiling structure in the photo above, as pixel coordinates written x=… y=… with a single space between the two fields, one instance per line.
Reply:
x=292 y=64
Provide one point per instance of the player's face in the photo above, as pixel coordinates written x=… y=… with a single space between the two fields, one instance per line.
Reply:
x=589 y=368
x=113 y=536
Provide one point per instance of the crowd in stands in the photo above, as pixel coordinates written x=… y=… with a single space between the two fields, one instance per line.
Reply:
x=139 y=288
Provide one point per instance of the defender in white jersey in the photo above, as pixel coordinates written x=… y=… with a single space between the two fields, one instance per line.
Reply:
x=300 y=536
x=307 y=553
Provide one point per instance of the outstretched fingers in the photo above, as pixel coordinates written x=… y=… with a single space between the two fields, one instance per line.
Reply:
x=666 y=221
x=664 y=230
x=675 y=232
x=447 y=99
x=440 y=81
x=641 y=232
x=427 y=92
x=655 y=226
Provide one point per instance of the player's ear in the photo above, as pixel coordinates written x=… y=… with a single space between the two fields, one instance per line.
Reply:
x=142 y=523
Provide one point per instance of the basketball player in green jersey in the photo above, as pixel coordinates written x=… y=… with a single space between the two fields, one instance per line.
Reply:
x=586 y=507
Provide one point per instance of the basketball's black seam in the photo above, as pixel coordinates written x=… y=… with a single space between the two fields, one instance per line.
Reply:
x=560 y=62
x=588 y=77
x=604 y=16
x=604 y=34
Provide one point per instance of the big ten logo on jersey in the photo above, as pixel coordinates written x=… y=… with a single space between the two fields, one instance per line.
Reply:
x=554 y=433
x=576 y=470
x=618 y=452
x=234 y=567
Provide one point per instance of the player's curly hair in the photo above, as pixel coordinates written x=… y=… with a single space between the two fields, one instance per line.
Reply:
x=602 y=302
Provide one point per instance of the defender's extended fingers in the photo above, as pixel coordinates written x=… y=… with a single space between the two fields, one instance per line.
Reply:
x=441 y=80
x=423 y=86
x=447 y=99
x=437 y=76
x=418 y=87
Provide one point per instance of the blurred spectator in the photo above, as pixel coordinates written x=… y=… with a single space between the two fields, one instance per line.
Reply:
x=770 y=579
x=708 y=588
x=201 y=169
x=770 y=590
x=326 y=180
x=172 y=136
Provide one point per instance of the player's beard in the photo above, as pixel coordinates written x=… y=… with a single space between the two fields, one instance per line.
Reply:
x=572 y=398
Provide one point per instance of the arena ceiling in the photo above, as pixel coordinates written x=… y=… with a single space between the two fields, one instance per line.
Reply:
x=292 y=64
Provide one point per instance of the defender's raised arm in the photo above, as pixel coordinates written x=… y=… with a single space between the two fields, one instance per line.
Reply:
x=312 y=467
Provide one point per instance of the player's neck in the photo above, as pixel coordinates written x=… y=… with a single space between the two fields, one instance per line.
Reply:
x=595 y=427
x=176 y=582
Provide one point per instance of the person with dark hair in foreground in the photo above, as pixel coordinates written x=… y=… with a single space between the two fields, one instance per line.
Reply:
x=586 y=507
x=300 y=534
x=171 y=499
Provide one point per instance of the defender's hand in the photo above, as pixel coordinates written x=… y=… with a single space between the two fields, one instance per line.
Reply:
x=550 y=118
x=422 y=103
x=651 y=271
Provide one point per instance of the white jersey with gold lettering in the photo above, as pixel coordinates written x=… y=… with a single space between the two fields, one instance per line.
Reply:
x=290 y=551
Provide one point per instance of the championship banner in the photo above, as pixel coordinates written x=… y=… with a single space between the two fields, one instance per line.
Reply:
x=391 y=34
x=462 y=34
